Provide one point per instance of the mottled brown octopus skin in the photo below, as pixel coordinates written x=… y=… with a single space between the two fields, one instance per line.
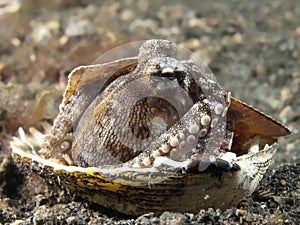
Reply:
x=145 y=179
x=93 y=119
x=245 y=121
x=77 y=83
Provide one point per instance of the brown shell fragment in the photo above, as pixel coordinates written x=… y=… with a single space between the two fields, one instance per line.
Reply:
x=152 y=131
x=248 y=122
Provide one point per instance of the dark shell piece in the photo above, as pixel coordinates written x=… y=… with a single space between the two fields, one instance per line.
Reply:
x=247 y=122
x=149 y=129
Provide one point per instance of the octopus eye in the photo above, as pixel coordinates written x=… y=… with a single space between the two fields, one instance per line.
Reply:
x=170 y=76
x=152 y=124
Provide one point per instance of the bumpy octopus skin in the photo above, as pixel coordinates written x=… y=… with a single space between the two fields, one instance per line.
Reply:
x=147 y=132
x=135 y=112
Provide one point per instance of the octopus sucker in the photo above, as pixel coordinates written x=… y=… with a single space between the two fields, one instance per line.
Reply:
x=152 y=124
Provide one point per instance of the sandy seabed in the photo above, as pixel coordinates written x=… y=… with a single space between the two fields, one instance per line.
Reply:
x=252 y=47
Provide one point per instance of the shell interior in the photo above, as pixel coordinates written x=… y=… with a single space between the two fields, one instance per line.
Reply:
x=167 y=133
x=122 y=188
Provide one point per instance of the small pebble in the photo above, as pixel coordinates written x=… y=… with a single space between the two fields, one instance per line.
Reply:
x=282 y=183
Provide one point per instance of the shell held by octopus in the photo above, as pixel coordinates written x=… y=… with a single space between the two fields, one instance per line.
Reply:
x=148 y=127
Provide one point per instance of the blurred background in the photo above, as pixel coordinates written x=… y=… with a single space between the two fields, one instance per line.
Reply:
x=252 y=47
